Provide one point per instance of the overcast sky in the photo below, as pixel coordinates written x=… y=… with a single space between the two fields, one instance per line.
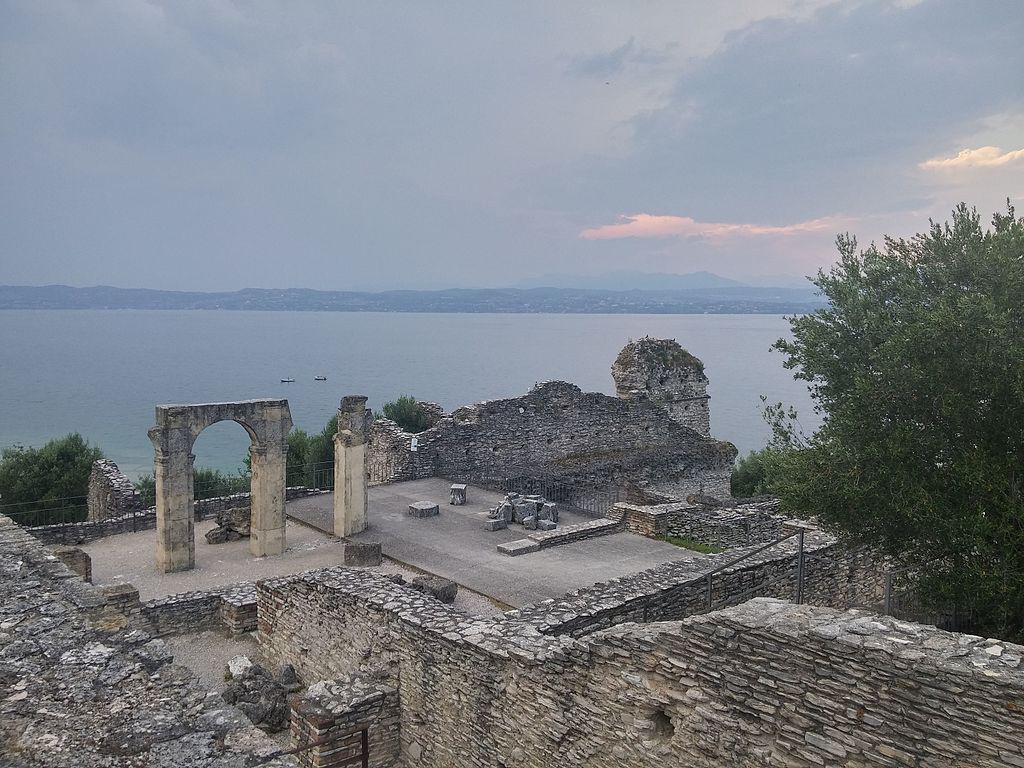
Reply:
x=221 y=145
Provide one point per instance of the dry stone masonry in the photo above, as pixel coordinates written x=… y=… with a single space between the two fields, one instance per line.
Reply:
x=111 y=493
x=662 y=372
x=80 y=688
x=765 y=683
x=558 y=432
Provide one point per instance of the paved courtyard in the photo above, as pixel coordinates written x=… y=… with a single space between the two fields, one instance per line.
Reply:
x=455 y=545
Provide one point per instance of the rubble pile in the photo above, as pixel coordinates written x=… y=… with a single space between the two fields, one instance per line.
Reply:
x=533 y=512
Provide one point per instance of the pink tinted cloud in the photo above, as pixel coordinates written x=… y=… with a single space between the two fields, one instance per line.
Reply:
x=982 y=157
x=649 y=225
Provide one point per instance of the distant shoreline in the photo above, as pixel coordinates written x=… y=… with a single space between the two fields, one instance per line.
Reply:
x=693 y=301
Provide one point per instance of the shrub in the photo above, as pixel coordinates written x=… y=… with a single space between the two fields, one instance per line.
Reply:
x=407 y=413
x=46 y=485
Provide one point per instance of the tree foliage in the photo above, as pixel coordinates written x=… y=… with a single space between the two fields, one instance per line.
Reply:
x=407 y=413
x=750 y=476
x=54 y=478
x=918 y=366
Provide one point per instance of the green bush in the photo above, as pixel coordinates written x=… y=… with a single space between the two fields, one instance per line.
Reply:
x=206 y=484
x=750 y=476
x=46 y=485
x=407 y=413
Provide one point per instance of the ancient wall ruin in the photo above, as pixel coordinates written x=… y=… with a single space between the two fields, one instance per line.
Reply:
x=557 y=430
x=80 y=687
x=764 y=683
x=111 y=493
x=662 y=372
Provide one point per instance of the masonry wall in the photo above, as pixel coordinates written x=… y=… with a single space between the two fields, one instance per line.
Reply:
x=558 y=430
x=109 y=524
x=764 y=683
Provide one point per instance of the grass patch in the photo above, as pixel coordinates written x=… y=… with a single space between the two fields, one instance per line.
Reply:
x=696 y=546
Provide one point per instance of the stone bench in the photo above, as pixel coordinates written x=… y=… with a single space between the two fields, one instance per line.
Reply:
x=424 y=509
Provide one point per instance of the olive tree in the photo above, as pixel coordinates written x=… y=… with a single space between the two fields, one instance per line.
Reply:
x=917 y=365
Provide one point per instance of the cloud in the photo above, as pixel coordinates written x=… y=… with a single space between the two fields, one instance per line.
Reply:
x=982 y=157
x=648 y=225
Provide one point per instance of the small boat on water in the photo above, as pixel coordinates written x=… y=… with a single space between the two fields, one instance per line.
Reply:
x=287 y=381
x=319 y=378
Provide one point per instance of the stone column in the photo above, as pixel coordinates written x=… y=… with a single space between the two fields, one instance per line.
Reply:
x=175 y=516
x=267 y=521
x=350 y=467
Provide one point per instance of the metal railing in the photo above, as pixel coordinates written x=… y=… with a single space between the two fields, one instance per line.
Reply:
x=338 y=741
x=760 y=586
x=58 y=511
x=593 y=502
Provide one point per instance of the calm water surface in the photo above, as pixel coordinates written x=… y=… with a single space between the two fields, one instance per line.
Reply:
x=101 y=373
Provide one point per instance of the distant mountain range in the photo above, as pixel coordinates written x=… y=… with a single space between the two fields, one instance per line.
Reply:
x=723 y=298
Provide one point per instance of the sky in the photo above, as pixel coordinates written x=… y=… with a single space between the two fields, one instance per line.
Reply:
x=221 y=145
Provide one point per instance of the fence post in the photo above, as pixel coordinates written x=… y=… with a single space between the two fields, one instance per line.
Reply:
x=888 y=593
x=800 y=568
x=709 y=590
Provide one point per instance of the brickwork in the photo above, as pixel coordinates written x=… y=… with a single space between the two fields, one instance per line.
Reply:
x=765 y=683
x=589 y=439
x=727 y=527
x=330 y=709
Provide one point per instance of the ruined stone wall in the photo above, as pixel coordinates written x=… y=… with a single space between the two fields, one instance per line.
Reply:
x=80 y=687
x=725 y=527
x=833 y=577
x=145 y=519
x=662 y=372
x=111 y=493
x=765 y=683
x=581 y=438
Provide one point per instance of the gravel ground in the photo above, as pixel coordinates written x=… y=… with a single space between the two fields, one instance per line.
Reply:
x=130 y=557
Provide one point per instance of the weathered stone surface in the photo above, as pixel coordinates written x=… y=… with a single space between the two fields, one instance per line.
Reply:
x=662 y=372
x=442 y=589
x=573 y=438
x=495 y=525
x=361 y=553
x=518 y=547
x=111 y=493
x=765 y=683
x=177 y=427
x=458 y=494
x=546 y=525
x=75 y=559
x=350 y=480
x=256 y=694
x=423 y=509
x=80 y=688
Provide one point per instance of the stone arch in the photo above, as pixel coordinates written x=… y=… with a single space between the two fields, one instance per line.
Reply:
x=267 y=423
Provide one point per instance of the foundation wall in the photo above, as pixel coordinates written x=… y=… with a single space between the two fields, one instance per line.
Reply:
x=580 y=438
x=764 y=683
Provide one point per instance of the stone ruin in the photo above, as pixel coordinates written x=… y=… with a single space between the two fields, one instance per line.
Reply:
x=533 y=512
x=233 y=524
x=662 y=372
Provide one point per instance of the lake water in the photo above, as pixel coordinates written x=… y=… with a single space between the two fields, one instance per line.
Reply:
x=101 y=373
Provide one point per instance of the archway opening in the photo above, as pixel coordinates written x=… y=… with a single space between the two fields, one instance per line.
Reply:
x=222 y=483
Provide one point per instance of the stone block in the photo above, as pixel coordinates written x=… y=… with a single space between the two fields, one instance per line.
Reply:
x=546 y=525
x=444 y=590
x=530 y=523
x=75 y=559
x=495 y=525
x=549 y=511
x=458 y=494
x=361 y=553
x=518 y=547
x=423 y=509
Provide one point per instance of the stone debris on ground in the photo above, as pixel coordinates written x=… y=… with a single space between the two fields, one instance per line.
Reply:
x=444 y=590
x=531 y=511
x=232 y=524
x=254 y=691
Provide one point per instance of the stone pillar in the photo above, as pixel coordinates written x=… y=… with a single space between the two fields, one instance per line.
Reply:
x=267 y=521
x=175 y=516
x=350 y=467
